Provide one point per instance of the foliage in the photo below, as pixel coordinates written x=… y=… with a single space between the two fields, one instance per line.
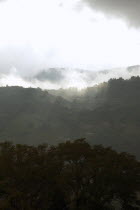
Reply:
x=106 y=114
x=69 y=176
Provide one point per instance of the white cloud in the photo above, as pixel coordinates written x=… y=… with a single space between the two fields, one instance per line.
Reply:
x=69 y=78
x=37 y=34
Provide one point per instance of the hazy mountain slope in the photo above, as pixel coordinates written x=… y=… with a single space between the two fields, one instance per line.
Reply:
x=116 y=119
x=106 y=114
x=28 y=115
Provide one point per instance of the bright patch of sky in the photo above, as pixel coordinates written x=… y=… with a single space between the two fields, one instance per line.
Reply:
x=61 y=33
x=38 y=34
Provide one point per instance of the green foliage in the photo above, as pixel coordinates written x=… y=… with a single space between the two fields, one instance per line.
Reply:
x=69 y=176
x=106 y=114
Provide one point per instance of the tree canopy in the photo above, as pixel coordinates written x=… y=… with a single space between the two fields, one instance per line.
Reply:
x=70 y=176
x=106 y=114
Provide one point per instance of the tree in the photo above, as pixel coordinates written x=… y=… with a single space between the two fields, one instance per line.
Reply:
x=70 y=176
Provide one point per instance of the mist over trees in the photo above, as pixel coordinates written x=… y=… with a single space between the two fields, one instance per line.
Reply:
x=69 y=176
x=105 y=114
x=97 y=173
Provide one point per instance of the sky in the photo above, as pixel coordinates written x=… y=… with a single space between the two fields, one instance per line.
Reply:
x=37 y=35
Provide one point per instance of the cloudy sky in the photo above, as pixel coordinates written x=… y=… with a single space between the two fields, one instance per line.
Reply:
x=73 y=34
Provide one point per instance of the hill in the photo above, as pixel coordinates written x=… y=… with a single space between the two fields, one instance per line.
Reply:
x=107 y=114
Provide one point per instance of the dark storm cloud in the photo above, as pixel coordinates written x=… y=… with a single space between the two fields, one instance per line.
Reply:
x=126 y=9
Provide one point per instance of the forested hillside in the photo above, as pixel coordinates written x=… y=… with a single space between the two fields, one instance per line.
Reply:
x=107 y=114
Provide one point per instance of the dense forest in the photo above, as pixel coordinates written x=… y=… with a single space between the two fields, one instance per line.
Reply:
x=70 y=176
x=107 y=114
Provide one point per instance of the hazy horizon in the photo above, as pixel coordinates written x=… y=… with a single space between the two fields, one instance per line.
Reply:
x=37 y=35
